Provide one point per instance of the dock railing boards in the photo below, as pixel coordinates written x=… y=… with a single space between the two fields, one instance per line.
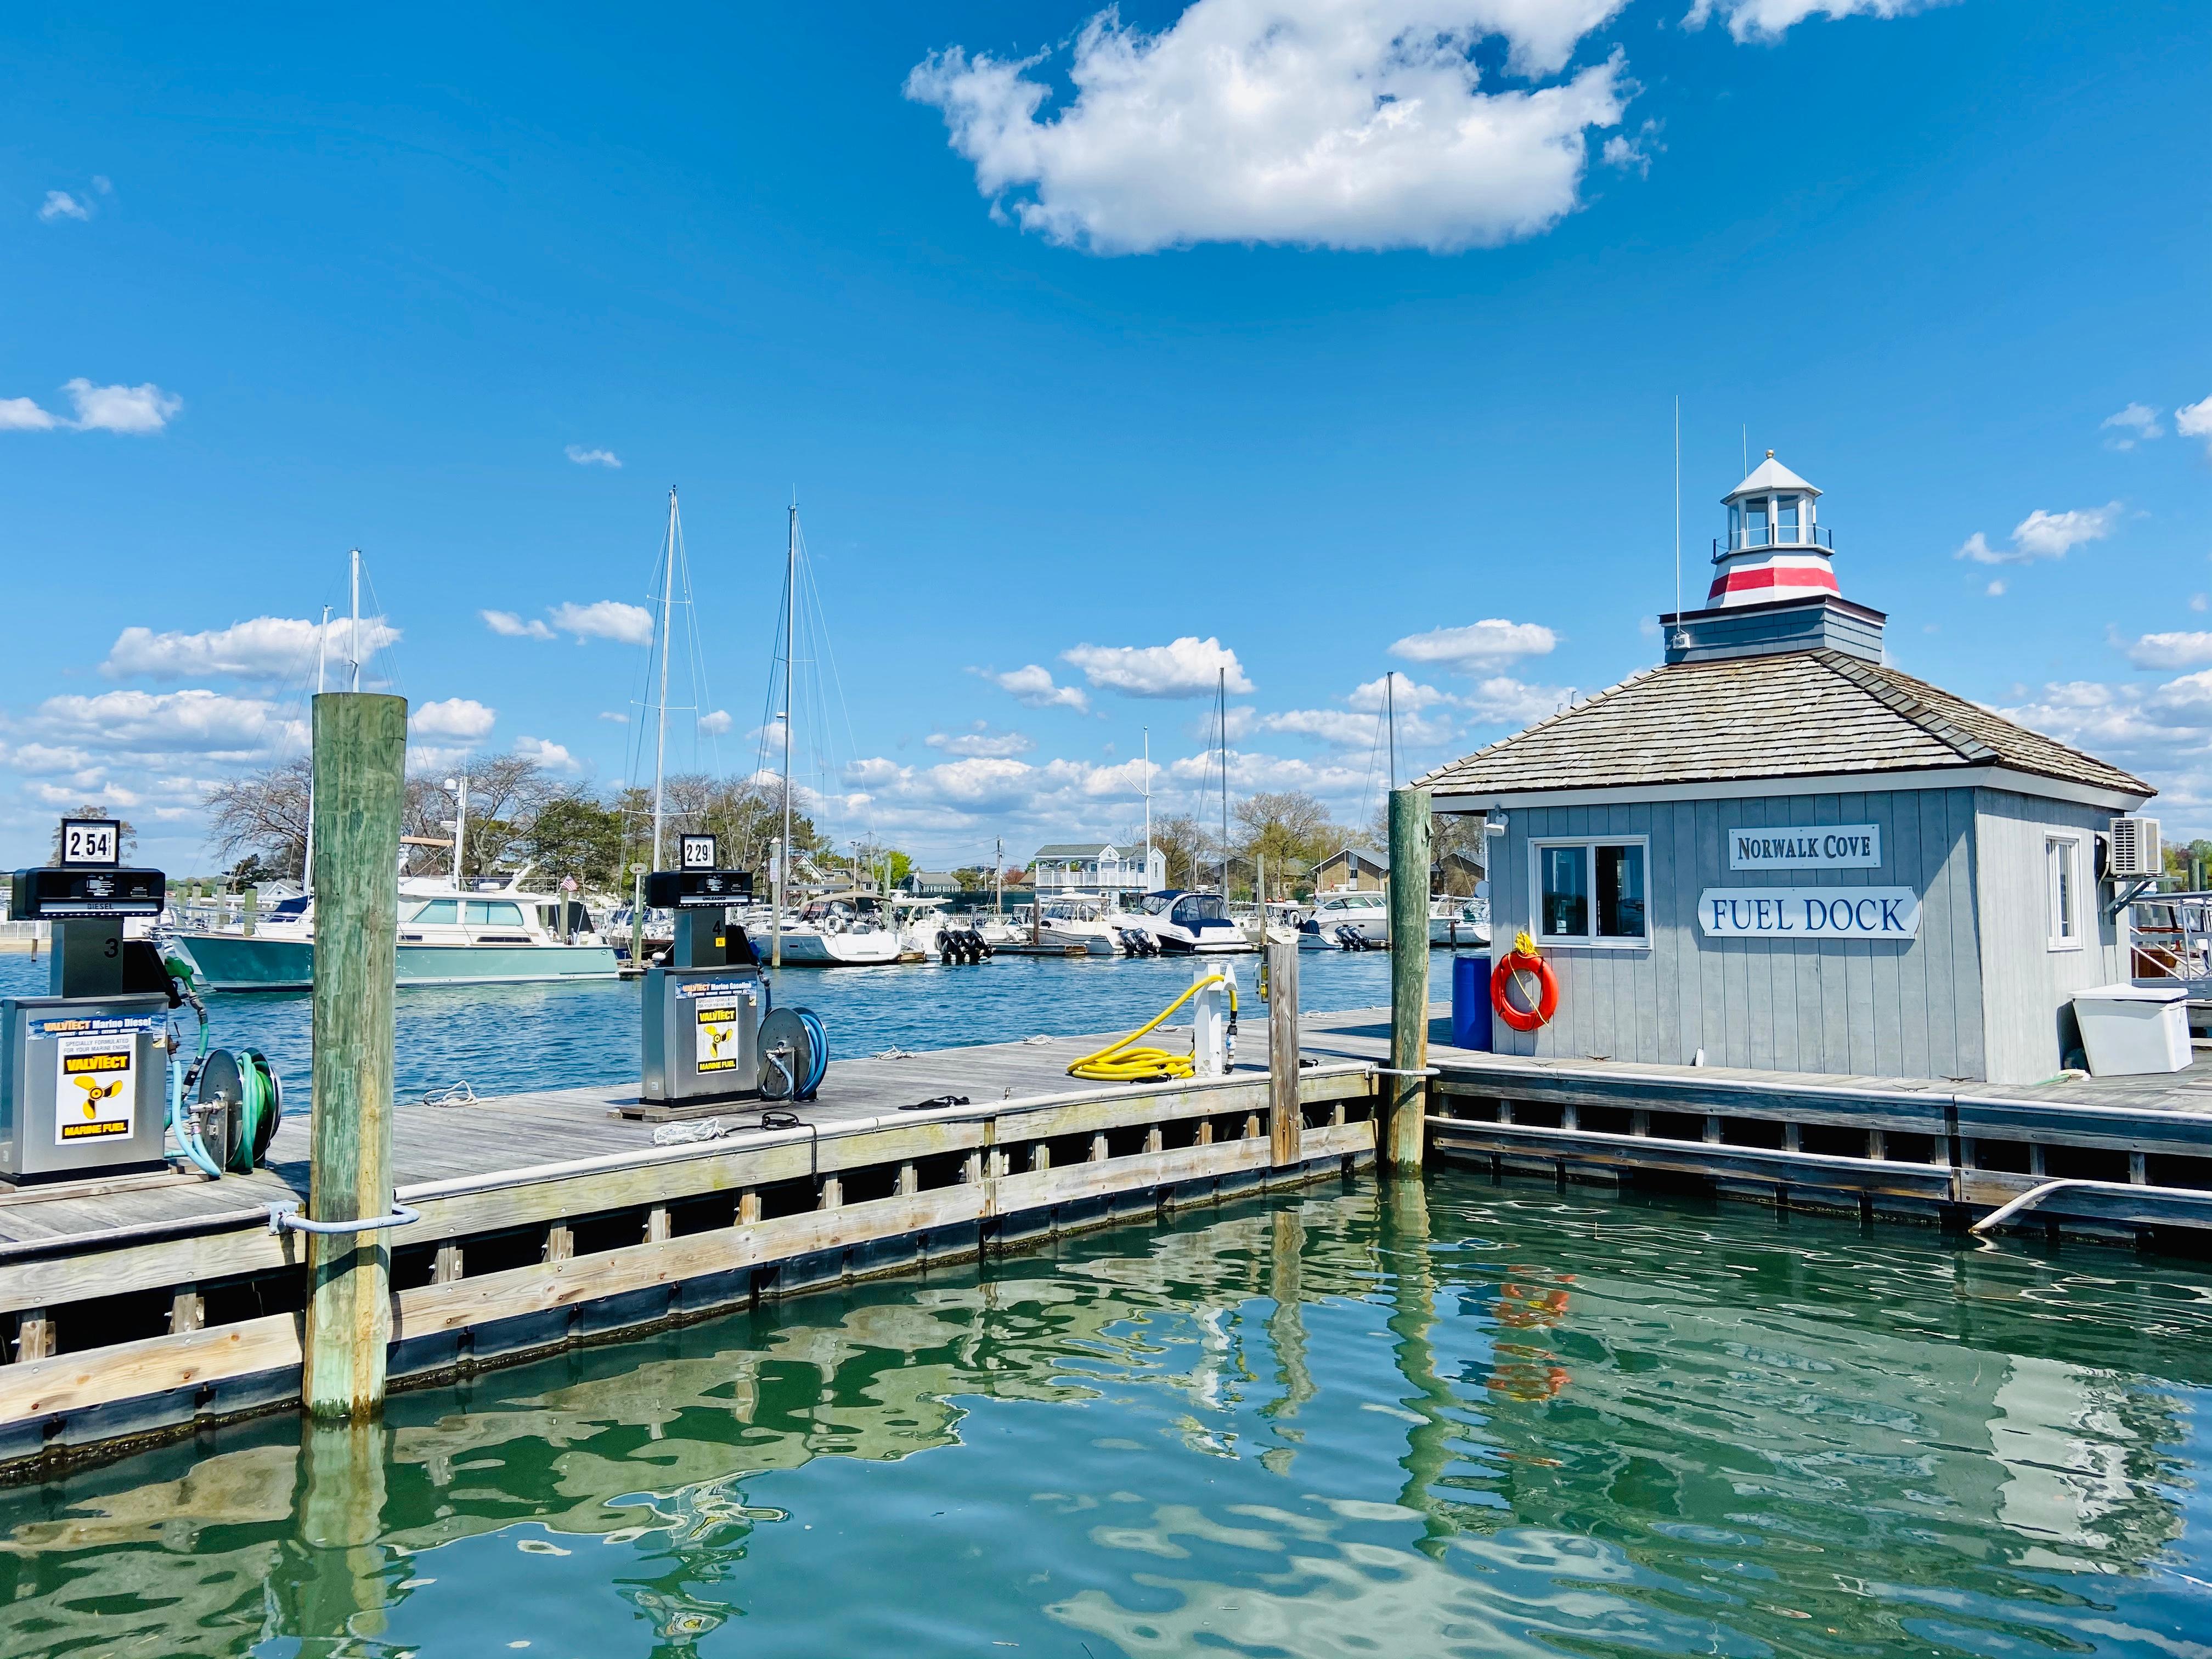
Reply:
x=697 y=1229
x=1940 y=1148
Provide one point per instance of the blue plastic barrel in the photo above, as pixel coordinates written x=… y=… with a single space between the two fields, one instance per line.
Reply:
x=1470 y=1003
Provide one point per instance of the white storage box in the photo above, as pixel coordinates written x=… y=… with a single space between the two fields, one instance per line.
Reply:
x=2129 y=1030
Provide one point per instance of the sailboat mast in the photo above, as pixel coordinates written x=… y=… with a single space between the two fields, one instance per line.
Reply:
x=1148 y=809
x=355 y=646
x=790 y=606
x=661 y=741
x=1221 y=718
x=307 y=852
x=1390 y=716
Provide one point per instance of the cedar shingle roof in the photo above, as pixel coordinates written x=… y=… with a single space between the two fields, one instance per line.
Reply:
x=1798 y=714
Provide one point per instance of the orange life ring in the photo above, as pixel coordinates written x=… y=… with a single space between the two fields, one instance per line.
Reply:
x=1548 y=990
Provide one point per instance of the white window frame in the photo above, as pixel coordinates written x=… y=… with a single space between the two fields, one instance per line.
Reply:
x=2055 y=937
x=1538 y=845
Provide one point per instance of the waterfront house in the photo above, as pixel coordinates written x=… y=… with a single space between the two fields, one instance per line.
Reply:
x=930 y=883
x=1350 y=870
x=1776 y=850
x=1094 y=869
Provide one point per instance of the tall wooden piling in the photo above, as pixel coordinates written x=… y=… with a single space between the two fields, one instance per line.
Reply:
x=359 y=762
x=1400 y=1144
x=1285 y=1116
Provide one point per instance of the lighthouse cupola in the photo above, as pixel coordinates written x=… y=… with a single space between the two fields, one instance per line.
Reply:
x=1775 y=548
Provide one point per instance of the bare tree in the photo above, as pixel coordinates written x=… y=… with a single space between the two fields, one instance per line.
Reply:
x=263 y=816
x=506 y=793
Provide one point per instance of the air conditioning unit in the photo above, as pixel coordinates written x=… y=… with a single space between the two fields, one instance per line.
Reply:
x=2134 y=849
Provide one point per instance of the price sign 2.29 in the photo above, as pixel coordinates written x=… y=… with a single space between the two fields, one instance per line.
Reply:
x=696 y=852
x=92 y=840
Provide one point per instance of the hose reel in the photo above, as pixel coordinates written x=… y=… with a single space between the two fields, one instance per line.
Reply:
x=795 y=1054
x=239 y=1104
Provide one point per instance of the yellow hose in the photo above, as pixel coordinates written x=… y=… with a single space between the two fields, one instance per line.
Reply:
x=1117 y=1062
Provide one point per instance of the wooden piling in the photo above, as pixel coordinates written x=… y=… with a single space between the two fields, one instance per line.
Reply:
x=1400 y=1146
x=360 y=757
x=1286 y=1117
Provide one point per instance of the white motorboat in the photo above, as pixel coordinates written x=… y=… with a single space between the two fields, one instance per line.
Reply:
x=836 y=931
x=1366 y=913
x=1193 y=924
x=1075 y=923
x=1457 y=921
x=480 y=931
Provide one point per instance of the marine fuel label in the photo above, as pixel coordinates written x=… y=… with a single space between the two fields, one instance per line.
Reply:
x=93 y=1098
x=716 y=1010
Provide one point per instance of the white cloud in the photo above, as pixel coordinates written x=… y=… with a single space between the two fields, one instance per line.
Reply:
x=1343 y=728
x=1032 y=687
x=2195 y=421
x=167 y=723
x=134 y=410
x=981 y=743
x=265 y=648
x=2136 y=423
x=1770 y=20
x=2169 y=650
x=1405 y=693
x=605 y=619
x=1996 y=590
x=1492 y=642
x=513 y=627
x=584 y=456
x=1501 y=700
x=39 y=759
x=1347 y=123
x=611 y=714
x=126 y=409
x=550 y=755
x=715 y=722
x=2044 y=535
x=1188 y=667
x=60 y=204
x=455 y=717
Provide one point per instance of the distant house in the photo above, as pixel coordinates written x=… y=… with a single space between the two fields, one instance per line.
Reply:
x=1454 y=873
x=1352 y=869
x=930 y=883
x=1094 y=867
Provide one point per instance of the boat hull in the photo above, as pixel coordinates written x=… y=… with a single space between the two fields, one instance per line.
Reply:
x=835 y=950
x=239 y=962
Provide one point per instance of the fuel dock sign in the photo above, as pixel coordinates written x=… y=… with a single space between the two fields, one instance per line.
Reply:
x=1892 y=913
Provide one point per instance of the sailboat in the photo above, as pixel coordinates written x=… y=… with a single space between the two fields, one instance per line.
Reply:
x=835 y=930
x=454 y=930
x=1199 y=924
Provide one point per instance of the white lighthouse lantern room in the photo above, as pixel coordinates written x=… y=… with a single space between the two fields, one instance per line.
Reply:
x=1775 y=548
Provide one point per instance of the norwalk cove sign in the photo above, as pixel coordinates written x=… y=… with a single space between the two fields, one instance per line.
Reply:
x=1807 y=847
x=1809 y=913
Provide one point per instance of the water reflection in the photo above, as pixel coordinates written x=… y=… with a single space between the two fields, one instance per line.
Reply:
x=1456 y=1420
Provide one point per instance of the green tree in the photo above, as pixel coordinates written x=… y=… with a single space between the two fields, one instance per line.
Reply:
x=574 y=834
x=1290 y=829
x=1188 y=847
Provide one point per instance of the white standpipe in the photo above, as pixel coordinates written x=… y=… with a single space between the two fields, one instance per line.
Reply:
x=1213 y=1050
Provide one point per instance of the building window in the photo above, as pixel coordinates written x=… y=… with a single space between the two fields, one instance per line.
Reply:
x=1592 y=892
x=1754 y=522
x=2062 y=868
x=1785 y=520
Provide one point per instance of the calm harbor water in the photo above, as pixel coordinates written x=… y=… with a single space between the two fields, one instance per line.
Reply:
x=1465 y=1419
x=501 y=1038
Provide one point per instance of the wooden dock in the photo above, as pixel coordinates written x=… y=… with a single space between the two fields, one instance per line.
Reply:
x=142 y=1308
x=1907 y=1148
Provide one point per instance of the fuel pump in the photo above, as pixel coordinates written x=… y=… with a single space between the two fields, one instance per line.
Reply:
x=710 y=1035
x=84 y=1069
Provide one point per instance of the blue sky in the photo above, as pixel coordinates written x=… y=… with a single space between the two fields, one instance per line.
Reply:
x=1326 y=338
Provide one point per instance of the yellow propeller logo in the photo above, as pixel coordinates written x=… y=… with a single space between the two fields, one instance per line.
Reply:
x=96 y=1091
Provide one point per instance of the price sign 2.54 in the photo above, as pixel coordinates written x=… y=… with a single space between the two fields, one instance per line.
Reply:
x=92 y=840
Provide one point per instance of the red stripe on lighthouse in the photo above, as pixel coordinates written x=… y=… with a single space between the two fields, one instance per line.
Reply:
x=1783 y=576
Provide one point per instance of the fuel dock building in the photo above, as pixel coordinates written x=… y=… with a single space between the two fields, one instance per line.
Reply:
x=1777 y=852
